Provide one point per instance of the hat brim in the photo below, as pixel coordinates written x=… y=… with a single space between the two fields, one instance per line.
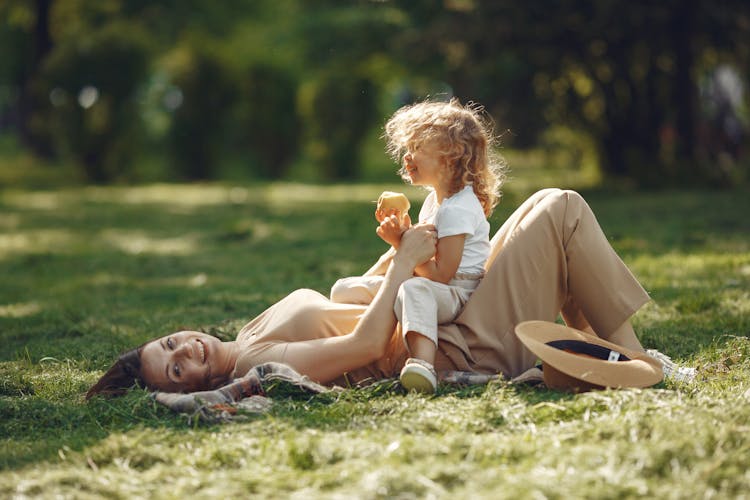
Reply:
x=639 y=370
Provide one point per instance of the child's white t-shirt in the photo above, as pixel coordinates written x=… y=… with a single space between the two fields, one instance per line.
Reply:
x=461 y=214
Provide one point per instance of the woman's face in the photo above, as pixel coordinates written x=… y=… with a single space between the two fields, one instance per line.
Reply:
x=185 y=362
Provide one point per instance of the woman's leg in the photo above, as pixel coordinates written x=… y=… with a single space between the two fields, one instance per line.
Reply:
x=356 y=289
x=550 y=254
x=624 y=335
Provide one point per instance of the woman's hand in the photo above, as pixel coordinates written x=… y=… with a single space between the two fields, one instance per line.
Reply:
x=418 y=244
x=391 y=229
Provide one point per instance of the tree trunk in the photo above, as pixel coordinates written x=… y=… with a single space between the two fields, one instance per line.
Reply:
x=28 y=101
x=683 y=28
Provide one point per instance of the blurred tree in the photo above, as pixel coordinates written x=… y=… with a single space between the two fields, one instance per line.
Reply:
x=347 y=65
x=625 y=73
x=266 y=120
x=199 y=125
x=340 y=113
x=210 y=102
x=67 y=52
x=252 y=79
x=25 y=41
x=91 y=82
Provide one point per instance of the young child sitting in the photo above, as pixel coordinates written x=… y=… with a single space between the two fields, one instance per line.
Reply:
x=446 y=147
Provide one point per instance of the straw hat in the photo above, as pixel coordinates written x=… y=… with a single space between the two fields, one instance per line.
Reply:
x=577 y=361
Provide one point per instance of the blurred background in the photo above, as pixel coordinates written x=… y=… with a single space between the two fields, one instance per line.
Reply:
x=631 y=93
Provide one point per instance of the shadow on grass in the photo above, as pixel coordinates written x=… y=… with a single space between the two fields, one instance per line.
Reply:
x=338 y=410
x=36 y=429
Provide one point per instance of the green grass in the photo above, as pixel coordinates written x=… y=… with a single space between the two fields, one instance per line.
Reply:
x=90 y=271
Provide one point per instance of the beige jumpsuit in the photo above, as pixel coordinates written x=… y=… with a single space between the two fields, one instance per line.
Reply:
x=550 y=257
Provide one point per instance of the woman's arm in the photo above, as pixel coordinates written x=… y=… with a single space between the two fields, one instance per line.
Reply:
x=390 y=230
x=327 y=358
x=381 y=266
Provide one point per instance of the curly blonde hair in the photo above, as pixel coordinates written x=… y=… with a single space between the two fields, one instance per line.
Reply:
x=465 y=138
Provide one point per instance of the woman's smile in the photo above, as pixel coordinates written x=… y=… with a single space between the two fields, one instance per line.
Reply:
x=201 y=351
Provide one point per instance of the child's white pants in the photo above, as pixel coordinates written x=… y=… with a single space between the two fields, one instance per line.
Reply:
x=423 y=304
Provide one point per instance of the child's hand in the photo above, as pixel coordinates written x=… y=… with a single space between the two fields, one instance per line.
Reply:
x=391 y=229
x=381 y=215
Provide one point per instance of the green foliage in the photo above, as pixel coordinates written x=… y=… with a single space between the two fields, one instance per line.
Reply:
x=15 y=47
x=271 y=85
x=266 y=123
x=200 y=122
x=91 y=271
x=340 y=113
x=91 y=113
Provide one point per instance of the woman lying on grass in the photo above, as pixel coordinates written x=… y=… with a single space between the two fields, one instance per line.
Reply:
x=549 y=257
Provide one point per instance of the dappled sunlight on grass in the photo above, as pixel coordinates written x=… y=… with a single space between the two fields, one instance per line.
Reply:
x=194 y=280
x=283 y=193
x=20 y=309
x=280 y=195
x=39 y=200
x=531 y=169
x=10 y=221
x=137 y=242
x=105 y=278
x=693 y=270
x=738 y=304
x=725 y=366
x=35 y=241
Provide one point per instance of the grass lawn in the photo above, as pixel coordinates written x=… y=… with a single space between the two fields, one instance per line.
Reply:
x=87 y=272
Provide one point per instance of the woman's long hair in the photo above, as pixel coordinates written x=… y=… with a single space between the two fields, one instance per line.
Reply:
x=121 y=376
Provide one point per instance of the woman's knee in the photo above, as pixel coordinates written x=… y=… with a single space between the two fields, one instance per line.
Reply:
x=302 y=294
x=305 y=305
x=563 y=199
x=543 y=193
x=573 y=196
x=341 y=290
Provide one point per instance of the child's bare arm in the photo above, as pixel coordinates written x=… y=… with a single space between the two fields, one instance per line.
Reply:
x=443 y=266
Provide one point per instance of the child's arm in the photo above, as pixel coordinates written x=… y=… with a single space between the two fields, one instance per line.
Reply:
x=443 y=266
